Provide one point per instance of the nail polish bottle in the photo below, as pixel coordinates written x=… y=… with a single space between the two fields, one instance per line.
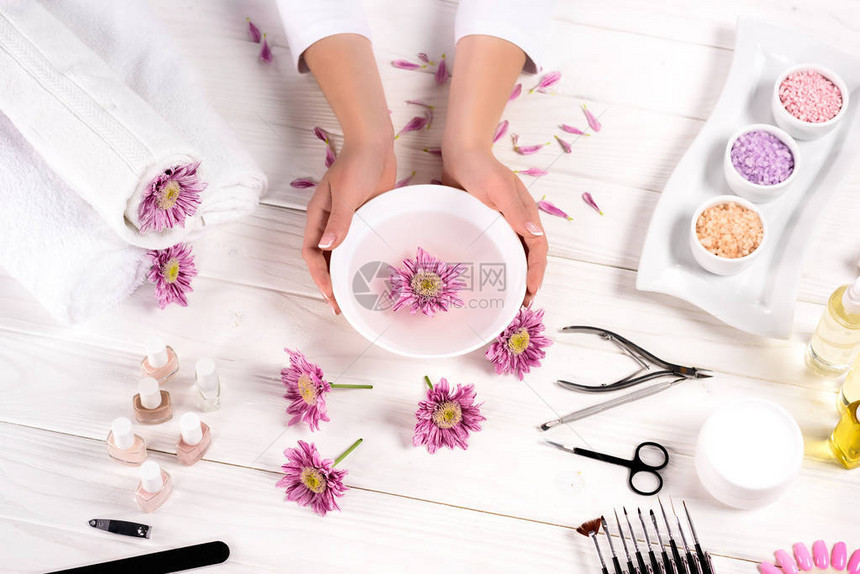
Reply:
x=151 y=404
x=123 y=445
x=154 y=488
x=208 y=385
x=194 y=439
x=160 y=362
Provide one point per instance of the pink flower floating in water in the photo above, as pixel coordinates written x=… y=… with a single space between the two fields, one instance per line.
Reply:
x=521 y=346
x=311 y=480
x=265 y=51
x=547 y=81
x=254 y=32
x=447 y=417
x=548 y=207
x=306 y=390
x=171 y=197
x=427 y=284
x=172 y=270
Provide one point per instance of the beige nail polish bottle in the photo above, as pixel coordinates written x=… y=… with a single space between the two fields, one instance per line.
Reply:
x=123 y=445
x=160 y=362
x=155 y=487
x=194 y=439
x=151 y=404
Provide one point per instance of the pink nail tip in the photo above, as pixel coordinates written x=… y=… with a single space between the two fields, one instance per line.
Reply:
x=785 y=562
x=820 y=555
x=840 y=555
x=804 y=558
x=768 y=568
x=854 y=563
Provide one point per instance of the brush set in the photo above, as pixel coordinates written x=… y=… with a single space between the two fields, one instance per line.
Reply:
x=650 y=558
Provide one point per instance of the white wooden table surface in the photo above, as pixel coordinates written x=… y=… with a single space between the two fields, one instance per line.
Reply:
x=653 y=70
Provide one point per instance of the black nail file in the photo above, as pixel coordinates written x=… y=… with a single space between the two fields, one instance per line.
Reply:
x=175 y=560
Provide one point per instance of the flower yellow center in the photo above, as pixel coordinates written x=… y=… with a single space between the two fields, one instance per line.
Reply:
x=307 y=389
x=519 y=341
x=313 y=479
x=447 y=414
x=170 y=270
x=426 y=284
x=169 y=195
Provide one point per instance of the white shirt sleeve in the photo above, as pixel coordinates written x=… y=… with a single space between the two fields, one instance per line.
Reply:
x=525 y=23
x=308 y=21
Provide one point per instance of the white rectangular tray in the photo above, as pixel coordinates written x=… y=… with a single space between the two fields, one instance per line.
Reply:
x=759 y=300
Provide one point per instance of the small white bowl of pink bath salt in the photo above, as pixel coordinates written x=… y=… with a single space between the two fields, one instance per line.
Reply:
x=809 y=101
x=727 y=234
x=760 y=162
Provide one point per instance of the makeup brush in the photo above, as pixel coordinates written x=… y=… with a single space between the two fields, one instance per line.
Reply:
x=631 y=569
x=679 y=561
x=642 y=568
x=590 y=529
x=704 y=560
x=667 y=563
x=615 y=563
x=691 y=561
x=655 y=566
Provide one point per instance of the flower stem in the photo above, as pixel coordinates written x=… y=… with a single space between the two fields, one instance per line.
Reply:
x=427 y=380
x=347 y=451
x=343 y=386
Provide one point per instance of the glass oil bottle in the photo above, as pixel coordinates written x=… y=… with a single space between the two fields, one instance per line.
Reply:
x=850 y=391
x=845 y=440
x=837 y=337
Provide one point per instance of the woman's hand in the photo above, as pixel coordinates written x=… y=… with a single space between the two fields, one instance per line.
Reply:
x=483 y=176
x=361 y=172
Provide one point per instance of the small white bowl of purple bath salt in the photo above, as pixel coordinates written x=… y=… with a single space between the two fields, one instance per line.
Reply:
x=760 y=163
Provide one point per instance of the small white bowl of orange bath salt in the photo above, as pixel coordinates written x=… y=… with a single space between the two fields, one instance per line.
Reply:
x=727 y=234
x=809 y=101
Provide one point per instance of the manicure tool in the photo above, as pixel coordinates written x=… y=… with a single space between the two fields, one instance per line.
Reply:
x=691 y=561
x=615 y=563
x=631 y=569
x=704 y=558
x=122 y=527
x=655 y=566
x=637 y=466
x=679 y=561
x=590 y=529
x=667 y=562
x=642 y=568
x=163 y=562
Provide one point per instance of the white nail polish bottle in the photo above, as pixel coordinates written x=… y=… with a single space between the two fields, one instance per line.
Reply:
x=208 y=385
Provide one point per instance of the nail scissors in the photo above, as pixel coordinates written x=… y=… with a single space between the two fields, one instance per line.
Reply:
x=637 y=466
x=643 y=358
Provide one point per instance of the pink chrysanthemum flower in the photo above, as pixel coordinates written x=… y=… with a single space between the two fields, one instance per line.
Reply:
x=171 y=197
x=427 y=284
x=172 y=270
x=447 y=417
x=311 y=480
x=520 y=346
x=306 y=390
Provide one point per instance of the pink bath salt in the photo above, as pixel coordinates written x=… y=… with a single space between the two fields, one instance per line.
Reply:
x=810 y=97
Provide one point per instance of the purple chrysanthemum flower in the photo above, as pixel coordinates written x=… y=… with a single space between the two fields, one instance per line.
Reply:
x=427 y=284
x=170 y=198
x=447 y=417
x=306 y=390
x=311 y=480
x=172 y=270
x=520 y=346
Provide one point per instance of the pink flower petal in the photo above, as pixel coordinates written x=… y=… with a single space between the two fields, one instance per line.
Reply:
x=405 y=181
x=586 y=197
x=573 y=130
x=593 y=123
x=303 y=183
x=406 y=65
x=515 y=93
x=424 y=57
x=265 y=51
x=434 y=150
x=254 y=32
x=415 y=124
x=428 y=107
x=321 y=134
x=330 y=156
x=533 y=171
x=548 y=207
x=442 y=71
x=547 y=81
x=501 y=130
x=526 y=149
x=564 y=145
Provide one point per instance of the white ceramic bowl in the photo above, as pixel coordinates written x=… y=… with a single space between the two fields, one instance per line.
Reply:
x=451 y=225
x=796 y=127
x=714 y=263
x=748 y=452
x=754 y=191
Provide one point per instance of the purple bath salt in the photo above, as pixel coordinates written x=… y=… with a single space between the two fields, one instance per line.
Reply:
x=762 y=158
